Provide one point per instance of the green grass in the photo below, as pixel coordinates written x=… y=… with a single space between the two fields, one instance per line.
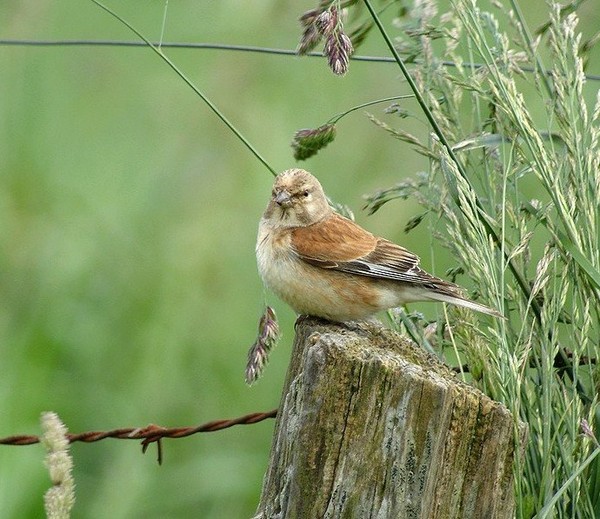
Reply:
x=515 y=198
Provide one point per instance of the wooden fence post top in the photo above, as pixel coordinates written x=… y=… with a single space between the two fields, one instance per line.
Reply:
x=372 y=426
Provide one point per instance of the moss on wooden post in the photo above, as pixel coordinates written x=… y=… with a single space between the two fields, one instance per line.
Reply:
x=371 y=426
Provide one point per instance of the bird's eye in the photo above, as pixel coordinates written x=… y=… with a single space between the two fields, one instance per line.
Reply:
x=305 y=193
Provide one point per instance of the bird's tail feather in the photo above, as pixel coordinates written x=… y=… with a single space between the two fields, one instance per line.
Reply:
x=467 y=303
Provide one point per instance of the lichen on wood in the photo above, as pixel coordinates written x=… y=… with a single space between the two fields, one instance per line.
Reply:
x=371 y=426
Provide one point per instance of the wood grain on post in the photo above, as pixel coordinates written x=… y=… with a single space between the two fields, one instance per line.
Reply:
x=370 y=426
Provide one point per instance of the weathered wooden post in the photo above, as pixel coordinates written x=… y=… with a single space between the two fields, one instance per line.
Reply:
x=371 y=426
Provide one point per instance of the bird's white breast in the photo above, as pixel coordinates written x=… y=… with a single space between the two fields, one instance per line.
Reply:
x=278 y=266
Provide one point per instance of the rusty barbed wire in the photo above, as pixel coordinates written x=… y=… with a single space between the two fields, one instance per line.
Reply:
x=150 y=434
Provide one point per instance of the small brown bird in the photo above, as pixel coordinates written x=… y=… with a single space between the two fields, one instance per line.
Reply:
x=325 y=265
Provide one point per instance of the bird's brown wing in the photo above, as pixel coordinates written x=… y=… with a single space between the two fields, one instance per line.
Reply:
x=339 y=244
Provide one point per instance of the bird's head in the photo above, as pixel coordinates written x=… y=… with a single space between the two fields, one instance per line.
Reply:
x=297 y=199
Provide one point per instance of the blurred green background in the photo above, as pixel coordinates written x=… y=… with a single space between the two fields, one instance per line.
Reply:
x=128 y=213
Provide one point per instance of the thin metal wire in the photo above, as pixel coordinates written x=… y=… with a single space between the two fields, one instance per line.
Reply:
x=149 y=434
x=220 y=46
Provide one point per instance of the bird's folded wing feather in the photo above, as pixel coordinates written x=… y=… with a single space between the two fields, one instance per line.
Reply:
x=339 y=244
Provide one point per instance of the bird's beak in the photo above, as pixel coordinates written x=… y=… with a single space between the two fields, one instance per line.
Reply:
x=283 y=199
